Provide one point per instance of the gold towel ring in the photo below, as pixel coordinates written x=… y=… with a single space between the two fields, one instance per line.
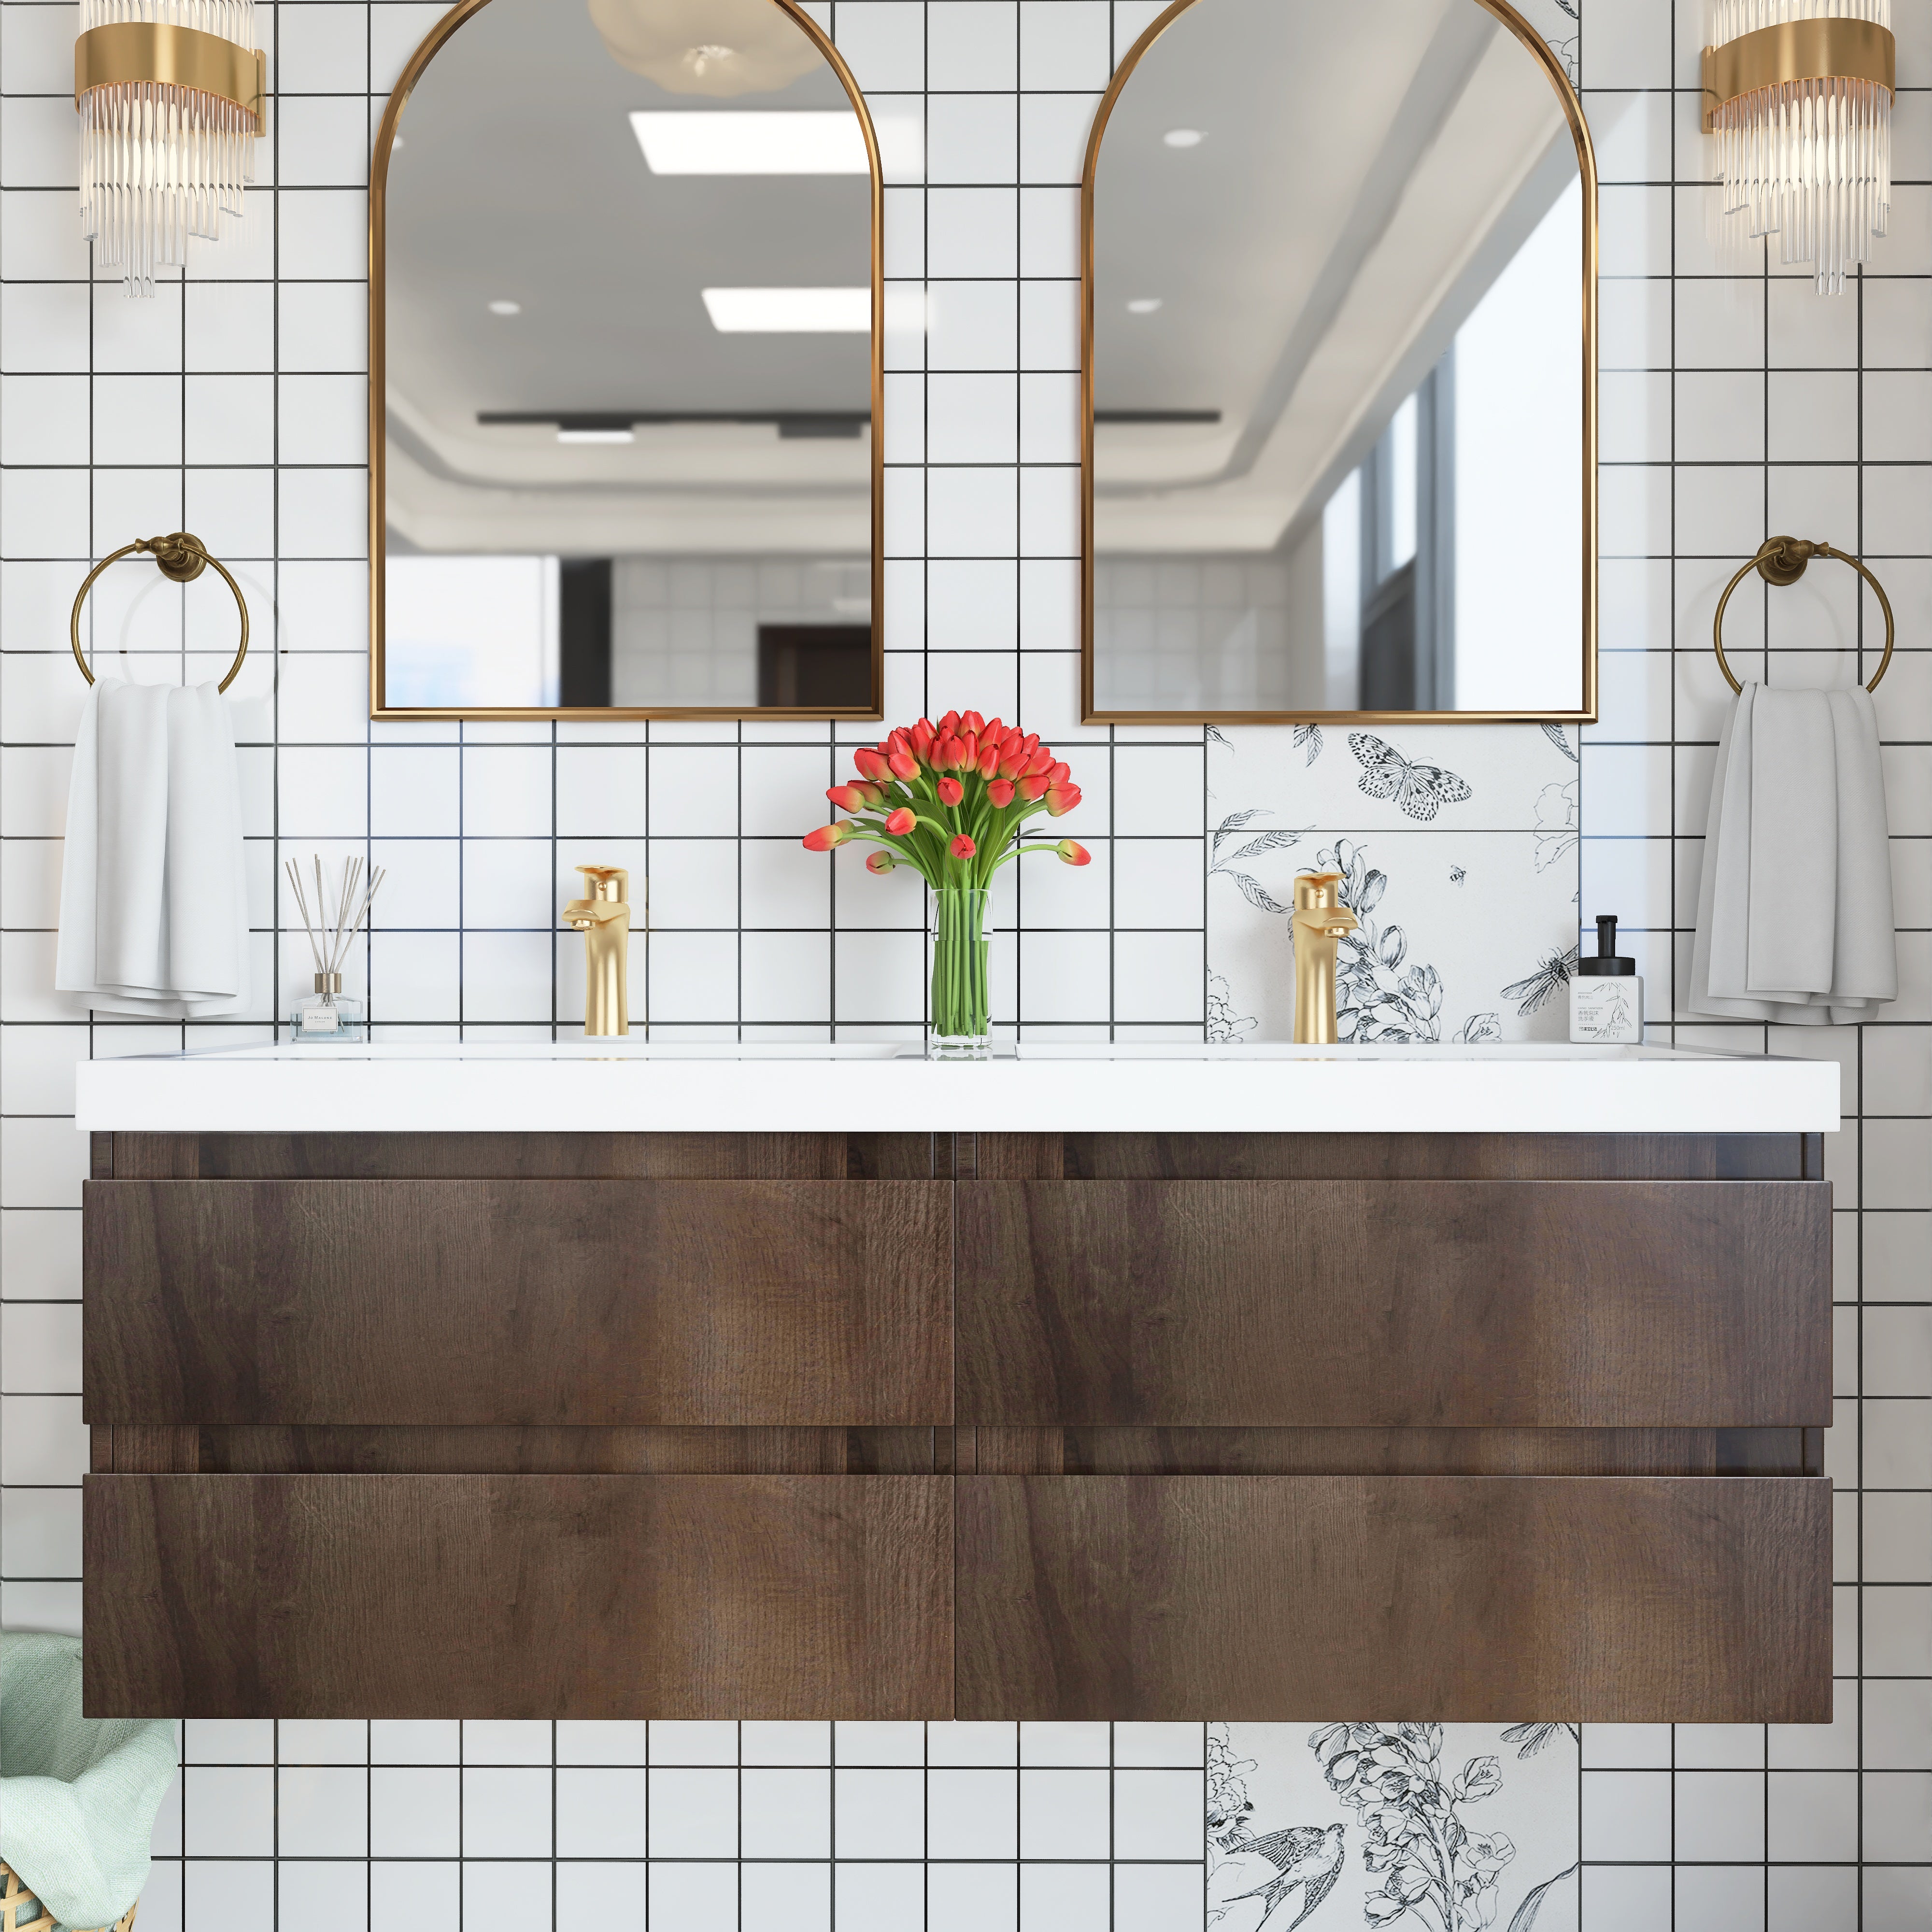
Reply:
x=182 y=558
x=1781 y=560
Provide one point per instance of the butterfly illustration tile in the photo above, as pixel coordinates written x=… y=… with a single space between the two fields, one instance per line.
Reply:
x=1476 y=777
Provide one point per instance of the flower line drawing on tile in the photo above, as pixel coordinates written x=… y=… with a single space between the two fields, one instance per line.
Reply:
x=1478 y=1029
x=1439 y=1872
x=1420 y=790
x=1225 y=1026
x=1371 y=1003
x=1554 y=970
x=1250 y=888
x=1530 y=1738
x=1560 y=24
x=1557 y=833
x=1244 y=1869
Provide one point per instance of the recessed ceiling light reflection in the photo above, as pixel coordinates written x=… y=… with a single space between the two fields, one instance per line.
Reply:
x=506 y=308
x=596 y=436
x=790 y=311
x=797 y=142
x=1144 y=305
x=1183 y=137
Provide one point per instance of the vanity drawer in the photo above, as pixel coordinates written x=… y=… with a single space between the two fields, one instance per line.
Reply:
x=1613 y=1600
x=808 y=1303
x=518 y=1596
x=1360 y=1303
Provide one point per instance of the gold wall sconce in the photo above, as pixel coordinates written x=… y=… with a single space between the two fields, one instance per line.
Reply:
x=172 y=96
x=1802 y=112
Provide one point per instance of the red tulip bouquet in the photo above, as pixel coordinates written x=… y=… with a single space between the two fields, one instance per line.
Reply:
x=949 y=800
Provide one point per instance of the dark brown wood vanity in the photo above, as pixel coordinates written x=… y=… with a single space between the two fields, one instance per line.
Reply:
x=1267 y=1426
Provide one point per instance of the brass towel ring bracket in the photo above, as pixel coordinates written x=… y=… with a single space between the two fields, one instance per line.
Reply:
x=1781 y=560
x=181 y=559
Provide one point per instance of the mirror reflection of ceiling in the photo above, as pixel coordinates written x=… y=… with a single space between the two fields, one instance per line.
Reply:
x=1297 y=204
x=538 y=266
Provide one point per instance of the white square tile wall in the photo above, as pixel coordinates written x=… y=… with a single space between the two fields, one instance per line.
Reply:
x=1735 y=401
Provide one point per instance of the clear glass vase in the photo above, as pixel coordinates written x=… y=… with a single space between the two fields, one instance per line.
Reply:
x=959 y=1026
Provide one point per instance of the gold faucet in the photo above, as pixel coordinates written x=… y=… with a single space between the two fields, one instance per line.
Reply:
x=604 y=920
x=1319 y=920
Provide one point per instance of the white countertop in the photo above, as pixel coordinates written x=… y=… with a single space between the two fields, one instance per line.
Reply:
x=617 y=1086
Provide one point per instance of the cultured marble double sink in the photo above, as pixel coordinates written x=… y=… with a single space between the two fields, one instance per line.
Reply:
x=619 y=1086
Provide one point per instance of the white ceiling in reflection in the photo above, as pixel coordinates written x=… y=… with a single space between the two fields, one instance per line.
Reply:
x=1361 y=175
x=521 y=180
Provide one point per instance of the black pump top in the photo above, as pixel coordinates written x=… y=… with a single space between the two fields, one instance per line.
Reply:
x=1609 y=963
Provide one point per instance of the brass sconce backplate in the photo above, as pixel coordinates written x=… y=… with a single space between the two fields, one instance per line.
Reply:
x=1817 y=49
x=129 y=52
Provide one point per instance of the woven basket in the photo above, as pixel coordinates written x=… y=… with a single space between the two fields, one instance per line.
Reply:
x=17 y=1901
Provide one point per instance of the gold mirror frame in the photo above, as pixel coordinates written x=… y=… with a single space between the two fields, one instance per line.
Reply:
x=1586 y=163
x=431 y=44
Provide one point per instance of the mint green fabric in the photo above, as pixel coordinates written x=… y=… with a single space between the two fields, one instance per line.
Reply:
x=78 y=1795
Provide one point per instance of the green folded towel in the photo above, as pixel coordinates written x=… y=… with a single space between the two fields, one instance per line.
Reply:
x=78 y=1795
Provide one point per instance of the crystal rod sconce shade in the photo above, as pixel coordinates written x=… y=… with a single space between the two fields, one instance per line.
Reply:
x=1798 y=93
x=170 y=94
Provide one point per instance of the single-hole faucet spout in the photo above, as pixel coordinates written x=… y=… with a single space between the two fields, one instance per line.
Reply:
x=604 y=920
x=1319 y=923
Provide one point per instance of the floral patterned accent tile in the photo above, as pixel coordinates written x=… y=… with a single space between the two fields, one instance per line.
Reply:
x=1423 y=1827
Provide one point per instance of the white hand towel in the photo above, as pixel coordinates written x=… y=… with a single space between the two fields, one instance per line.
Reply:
x=153 y=916
x=1794 y=912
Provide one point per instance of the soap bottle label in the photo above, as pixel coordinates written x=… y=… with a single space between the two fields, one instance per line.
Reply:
x=1607 y=1012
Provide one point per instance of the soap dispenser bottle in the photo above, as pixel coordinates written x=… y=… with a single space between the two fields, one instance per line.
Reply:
x=1606 y=996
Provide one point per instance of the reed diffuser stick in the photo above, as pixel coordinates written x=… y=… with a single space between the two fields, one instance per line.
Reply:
x=330 y=940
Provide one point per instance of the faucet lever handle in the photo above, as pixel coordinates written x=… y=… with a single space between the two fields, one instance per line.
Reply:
x=607 y=882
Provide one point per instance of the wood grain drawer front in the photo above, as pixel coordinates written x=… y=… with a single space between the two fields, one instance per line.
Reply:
x=519 y=1596
x=1612 y=1600
x=1335 y=1304
x=810 y=1303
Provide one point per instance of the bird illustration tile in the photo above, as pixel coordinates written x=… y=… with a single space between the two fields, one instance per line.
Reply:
x=1408 y=1826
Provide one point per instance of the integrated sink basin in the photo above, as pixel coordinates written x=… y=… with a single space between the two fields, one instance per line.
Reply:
x=619 y=1086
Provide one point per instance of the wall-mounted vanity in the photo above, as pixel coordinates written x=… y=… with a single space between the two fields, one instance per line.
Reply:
x=1482 y=1384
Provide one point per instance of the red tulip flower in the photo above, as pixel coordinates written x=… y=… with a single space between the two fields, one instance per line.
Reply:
x=991 y=775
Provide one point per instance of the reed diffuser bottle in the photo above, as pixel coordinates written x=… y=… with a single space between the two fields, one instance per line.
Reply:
x=328 y=1013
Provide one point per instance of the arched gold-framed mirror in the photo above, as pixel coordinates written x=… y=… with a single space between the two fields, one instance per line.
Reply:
x=626 y=331
x=1339 y=396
